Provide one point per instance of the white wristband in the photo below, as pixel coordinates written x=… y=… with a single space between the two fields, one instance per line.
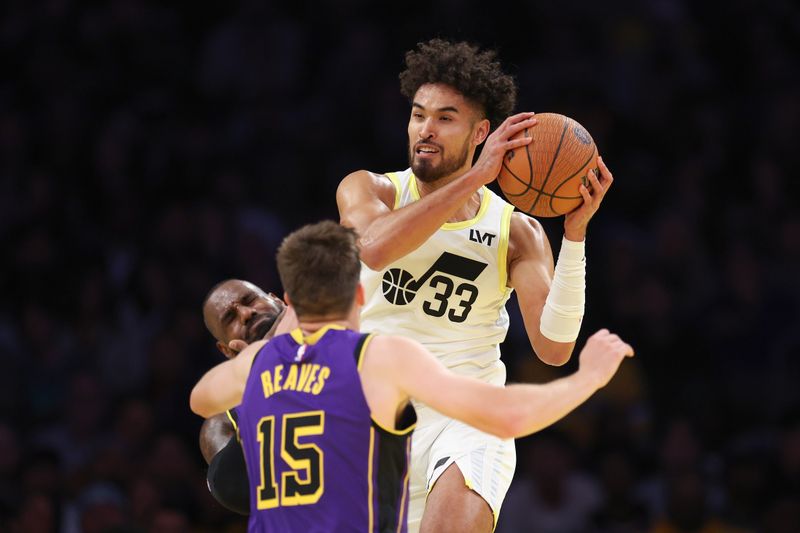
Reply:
x=563 y=309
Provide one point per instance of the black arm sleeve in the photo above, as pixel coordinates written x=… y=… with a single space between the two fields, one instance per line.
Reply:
x=227 y=478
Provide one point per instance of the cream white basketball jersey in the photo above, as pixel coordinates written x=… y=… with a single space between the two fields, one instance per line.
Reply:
x=450 y=293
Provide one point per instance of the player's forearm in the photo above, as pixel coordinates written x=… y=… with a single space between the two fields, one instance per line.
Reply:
x=562 y=314
x=577 y=234
x=531 y=408
x=400 y=232
x=516 y=410
x=549 y=351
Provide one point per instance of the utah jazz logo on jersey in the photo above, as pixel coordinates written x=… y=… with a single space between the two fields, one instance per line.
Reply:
x=400 y=287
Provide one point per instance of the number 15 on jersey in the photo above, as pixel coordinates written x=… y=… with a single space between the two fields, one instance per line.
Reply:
x=303 y=483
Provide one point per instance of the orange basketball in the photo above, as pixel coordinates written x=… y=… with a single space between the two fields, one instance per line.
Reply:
x=543 y=177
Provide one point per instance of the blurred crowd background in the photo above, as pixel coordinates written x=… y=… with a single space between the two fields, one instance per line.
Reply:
x=150 y=149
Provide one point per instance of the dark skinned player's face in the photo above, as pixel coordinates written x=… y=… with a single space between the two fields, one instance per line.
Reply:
x=238 y=310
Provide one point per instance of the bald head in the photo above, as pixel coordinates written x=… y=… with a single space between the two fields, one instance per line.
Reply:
x=238 y=310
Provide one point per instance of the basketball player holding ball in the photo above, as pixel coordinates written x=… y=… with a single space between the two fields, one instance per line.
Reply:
x=442 y=254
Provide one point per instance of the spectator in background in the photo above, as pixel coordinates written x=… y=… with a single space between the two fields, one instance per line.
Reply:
x=551 y=495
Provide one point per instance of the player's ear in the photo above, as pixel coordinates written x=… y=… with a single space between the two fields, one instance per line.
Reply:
x=360 y=294
x=286 y=298
x=225 y=349
x=480 y=131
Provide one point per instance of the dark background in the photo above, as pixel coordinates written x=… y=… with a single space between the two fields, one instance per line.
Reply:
x=149 y=150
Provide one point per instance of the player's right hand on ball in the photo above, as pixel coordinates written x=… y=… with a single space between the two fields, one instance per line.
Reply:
x=500 y=142
x=602 y=355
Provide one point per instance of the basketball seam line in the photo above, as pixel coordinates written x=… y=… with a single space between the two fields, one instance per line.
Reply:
x=528 y=185
x=530 y=172
x=553 y=197
x=529 y=189
x=552 y=164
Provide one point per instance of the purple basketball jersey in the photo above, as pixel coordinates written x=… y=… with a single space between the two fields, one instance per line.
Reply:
x=316 y=461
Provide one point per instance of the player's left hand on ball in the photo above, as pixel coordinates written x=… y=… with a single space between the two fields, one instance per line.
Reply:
x=576 y=221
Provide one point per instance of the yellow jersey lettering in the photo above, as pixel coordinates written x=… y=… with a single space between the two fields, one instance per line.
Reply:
x=323 y=375
x=302 y=378
x=305 y=371
x=291 y=379
x=266 y=383
x=311 y=378
x=278 y=377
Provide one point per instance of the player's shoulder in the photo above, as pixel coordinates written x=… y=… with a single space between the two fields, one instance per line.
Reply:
x=523 y=225
x=366 y=177
x=380 y=342
x=362 y=184
x=392 y=347
x=526 y=234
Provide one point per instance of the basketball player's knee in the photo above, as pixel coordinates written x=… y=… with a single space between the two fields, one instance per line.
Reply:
x=453 y=507
x=458 y=520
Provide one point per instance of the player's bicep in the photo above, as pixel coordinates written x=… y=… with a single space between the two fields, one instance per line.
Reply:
x=222 y=387
x=216 y=391
x=532 y=284
x=422 y=377
x=530 y=270
x=418 y=372
x=361 y=201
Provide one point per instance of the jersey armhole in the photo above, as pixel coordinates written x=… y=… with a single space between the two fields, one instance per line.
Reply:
x=396 y=182
x=233 y=416
x=406 y=422
x=361 y=348
x=502 y=247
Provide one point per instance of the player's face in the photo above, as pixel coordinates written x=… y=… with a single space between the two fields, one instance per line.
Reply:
x=240 y=310
x=440 y=131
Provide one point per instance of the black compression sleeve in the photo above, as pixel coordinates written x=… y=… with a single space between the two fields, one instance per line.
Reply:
x=227 y=478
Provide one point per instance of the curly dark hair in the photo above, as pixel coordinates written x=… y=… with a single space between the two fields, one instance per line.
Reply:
x=476 y=75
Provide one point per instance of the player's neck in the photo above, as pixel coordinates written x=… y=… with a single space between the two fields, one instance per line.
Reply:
x=427 y=187
x=310 y=324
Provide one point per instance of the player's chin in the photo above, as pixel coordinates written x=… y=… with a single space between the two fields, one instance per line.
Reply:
x=425 y=170
x=260 y=328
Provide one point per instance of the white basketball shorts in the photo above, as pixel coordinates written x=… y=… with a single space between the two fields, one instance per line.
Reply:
x=486 y=462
